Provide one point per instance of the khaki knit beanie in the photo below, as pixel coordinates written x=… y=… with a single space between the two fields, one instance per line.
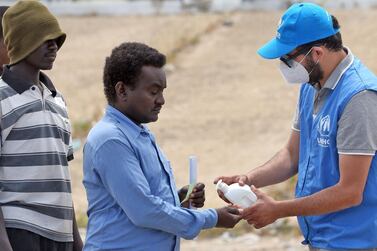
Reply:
x=26 y=26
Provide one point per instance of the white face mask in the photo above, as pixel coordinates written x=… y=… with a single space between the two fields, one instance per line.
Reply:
x=296 y=74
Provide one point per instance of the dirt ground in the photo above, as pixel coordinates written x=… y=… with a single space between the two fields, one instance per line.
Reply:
x=223 y=103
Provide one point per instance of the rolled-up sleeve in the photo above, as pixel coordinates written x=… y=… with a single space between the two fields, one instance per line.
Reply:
x=120 y=171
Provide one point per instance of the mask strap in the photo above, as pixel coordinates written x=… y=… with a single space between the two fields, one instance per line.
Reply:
x=305 y=55
x=314 y=67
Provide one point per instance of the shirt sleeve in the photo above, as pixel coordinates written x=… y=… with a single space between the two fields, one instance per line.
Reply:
x=70 y=155
x=296 y=117
x=357 y=132
x=122 y=176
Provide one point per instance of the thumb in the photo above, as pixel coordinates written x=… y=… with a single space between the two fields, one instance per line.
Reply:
x=242 y=180
x=217 y=179
x=257 y=192
x=237 y=218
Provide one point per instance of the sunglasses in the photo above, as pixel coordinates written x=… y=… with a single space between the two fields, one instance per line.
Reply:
x=287 y=59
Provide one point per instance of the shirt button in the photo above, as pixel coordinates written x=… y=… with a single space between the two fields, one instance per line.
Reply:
x=33 y=88
x=144 y=133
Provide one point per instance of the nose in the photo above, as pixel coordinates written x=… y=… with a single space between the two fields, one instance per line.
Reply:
x=52 y=45
x=160 y=100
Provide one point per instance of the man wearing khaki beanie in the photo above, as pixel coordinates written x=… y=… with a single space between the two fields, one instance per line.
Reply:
x=4 y=59
x=35 y=185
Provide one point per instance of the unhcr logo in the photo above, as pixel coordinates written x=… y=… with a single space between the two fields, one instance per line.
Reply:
x=324 y=131
x=324 y=126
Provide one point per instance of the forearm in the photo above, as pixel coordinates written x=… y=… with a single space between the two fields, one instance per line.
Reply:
x=281 y=167
x=346 y=193
x=4 y=241
x=161 y=215
x=329 y=200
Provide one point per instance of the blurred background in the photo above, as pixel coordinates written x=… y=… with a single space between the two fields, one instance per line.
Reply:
x=224 y=103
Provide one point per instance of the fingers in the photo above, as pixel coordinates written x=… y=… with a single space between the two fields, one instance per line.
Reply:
x=185 y=204
x=197 y=197
x=185 y=187
x=198 y=202
x=257 y=192
x=252 y=222
x=234 y=211
x=226 y=179
x=218 y=178
x=199 y=187
x=248 y=213
x=221 y=195
x=236 y=219
x=242 y=180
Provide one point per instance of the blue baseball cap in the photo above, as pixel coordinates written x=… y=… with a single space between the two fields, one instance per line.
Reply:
x=302 y=23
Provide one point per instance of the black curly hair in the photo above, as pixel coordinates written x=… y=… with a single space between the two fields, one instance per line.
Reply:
x=125 y=63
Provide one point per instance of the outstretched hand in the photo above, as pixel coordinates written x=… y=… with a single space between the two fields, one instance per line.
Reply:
x=228 y=217
x=263 y=212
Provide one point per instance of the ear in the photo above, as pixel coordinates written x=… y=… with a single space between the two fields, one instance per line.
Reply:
x=318 y=53
x=121 y=90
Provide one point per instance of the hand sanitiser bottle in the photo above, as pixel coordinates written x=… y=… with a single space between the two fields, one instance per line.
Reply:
x=239 y=195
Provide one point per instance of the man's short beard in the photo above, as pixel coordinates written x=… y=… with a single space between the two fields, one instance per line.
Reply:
x=316 y=71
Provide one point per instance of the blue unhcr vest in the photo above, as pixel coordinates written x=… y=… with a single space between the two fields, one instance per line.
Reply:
x=355 y=227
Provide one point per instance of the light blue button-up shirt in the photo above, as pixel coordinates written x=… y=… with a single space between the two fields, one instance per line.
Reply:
x=132 y=196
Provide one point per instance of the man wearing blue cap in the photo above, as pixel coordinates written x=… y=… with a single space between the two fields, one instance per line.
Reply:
x=333 y=142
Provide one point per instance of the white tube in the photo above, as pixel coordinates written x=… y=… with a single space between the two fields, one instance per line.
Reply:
x=193 y=169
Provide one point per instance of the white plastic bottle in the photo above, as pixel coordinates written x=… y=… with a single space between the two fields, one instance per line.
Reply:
x=239 y=195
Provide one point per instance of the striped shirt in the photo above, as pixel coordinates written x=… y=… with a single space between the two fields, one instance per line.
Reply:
x=35 y=184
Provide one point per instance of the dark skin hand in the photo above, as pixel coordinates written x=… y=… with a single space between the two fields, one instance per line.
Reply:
x=197 y=196
x=228 y=217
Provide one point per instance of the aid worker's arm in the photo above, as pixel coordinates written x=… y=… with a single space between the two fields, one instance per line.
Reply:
x=346 y=193
x=356 y=145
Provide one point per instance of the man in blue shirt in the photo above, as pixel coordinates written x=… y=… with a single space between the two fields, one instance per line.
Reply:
x=334 y=138
x=133 y=200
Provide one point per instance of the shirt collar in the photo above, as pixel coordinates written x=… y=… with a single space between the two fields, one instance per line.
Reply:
x=126 y=123
x=338 y=72
x=20 y=85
